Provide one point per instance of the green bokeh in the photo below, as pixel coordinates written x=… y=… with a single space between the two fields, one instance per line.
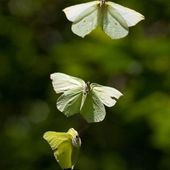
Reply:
x=36 y=40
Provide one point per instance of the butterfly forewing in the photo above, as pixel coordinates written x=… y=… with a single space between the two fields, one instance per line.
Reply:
x=56 y=138
x=113 y=24
x=106 y=95
x=77 y=12
x=130 y=16
x=93 y=110
x=63 y=82
x=115 y=14
x=88 y=22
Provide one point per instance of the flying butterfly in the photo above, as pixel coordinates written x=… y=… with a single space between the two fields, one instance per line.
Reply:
x=65 y=146
x=88 y=99
x=113 y=18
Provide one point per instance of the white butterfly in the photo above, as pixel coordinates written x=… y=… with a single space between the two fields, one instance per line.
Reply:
x=113 y=18
x=88 y=99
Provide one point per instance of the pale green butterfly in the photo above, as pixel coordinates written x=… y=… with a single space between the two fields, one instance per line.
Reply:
x=113 y=18
x=88 y=99
x=65 y=146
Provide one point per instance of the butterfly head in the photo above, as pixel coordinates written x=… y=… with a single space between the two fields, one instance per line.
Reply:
x=87 y=89
x=76 y=141
x=102 y=2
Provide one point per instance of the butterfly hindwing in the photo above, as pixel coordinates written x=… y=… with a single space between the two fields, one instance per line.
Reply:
x=84 y=17
x=86 y=25
x=63 y=155
x=113 y=23
x=93 y=110
x=70 y=102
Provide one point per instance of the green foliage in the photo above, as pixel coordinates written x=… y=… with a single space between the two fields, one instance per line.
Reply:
x=36 y=40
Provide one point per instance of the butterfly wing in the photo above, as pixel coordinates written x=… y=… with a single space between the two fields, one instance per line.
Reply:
x=67 y=155
x=63 y=155
x=130 y=16
x=70 y=102
x=84 y=17
x=75 y=154
x=72 y=99
x=63 y=82
x=93 y=110
x=106 y=95
x=56 y=138
x=62 y=147
x=113 y=23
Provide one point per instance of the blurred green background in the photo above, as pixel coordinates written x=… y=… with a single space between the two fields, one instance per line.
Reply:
x=36 y=40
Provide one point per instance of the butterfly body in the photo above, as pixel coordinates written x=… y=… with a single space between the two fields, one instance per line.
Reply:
x=65 y=146
x=88 y=99
x=113 y=18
